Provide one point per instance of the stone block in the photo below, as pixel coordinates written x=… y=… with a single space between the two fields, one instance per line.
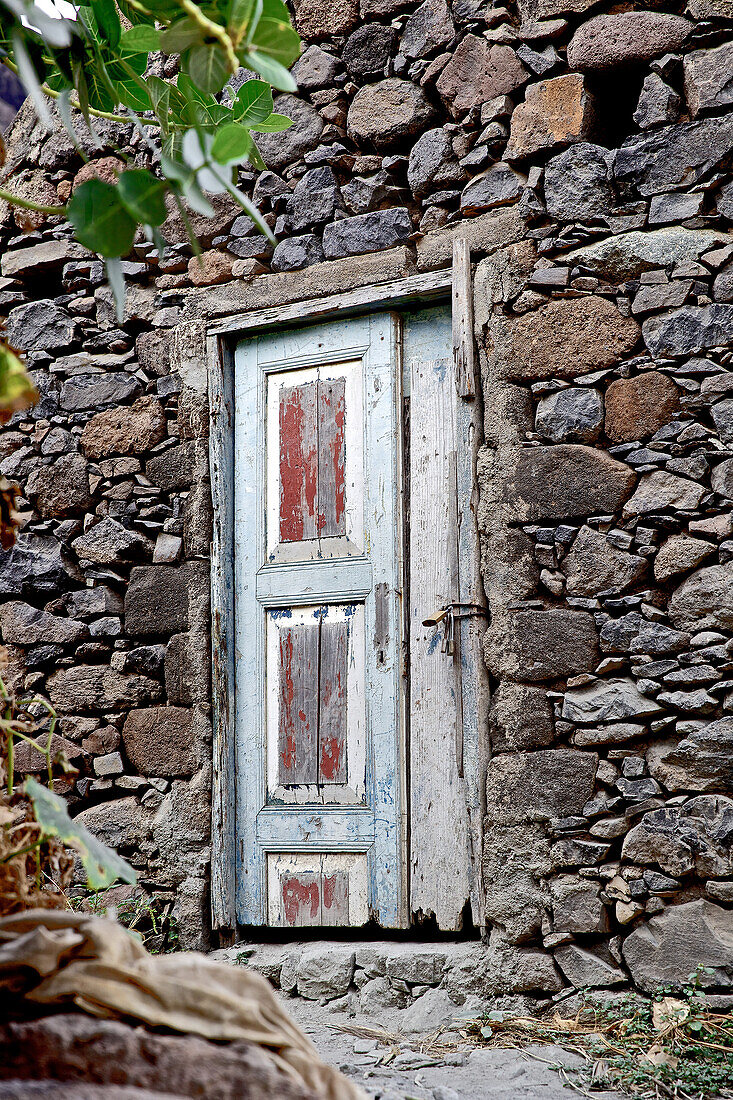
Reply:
x=673 y=156
x=296 y=252
x=574 y=415
x=429 y=27
x=36 y=565
x=85 y=603
x=40 y=326
x=690 y=329
x=61 y=489
x=89 y=391
x=161 y=741
x=578 y=183
x=325 y=971
x=554 y=113
x=607 y=701
x=318 y=19
x=121 y=823
x=564 y=339
x=707 y=79
x=109 y=542
x=127 y=430
x=367 y=232
x=188 y=669
x=24 y=625
x=532 y=646
x=514 y=969
x=158 y=597
x=210 y=267
x=704 y=601
x=673 y=944
x=592 y=969
x=516 y=862
x=477 y=72
x=537 y=786
x=595 y=565
x=564 y=482
x=174 y=468
x=659 y=491
x=626 y=38
x=520 y=718
x=638 y=407
x=486 y=233
x=577 y=906
x=679 y=554
x=40 y=258
x=86 y=689
x=287 y=147
x=497 y=186
x=386 y=113
x=415 y=965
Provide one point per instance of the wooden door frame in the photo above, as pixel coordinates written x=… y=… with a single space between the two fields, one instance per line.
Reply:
x=222 y=337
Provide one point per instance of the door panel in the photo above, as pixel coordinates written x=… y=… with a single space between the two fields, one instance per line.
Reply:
x=320 y=741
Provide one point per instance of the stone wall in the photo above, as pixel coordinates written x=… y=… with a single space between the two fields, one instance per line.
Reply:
x=586 y=157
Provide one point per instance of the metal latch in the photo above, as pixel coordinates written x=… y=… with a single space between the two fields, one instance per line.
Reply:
x=448 y=615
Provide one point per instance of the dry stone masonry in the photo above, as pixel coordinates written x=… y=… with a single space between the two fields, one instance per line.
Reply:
x=586 y=156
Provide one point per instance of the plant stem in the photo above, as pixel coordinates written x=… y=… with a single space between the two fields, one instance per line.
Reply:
x=16 y=200
x=22 y=851
x=213 y=29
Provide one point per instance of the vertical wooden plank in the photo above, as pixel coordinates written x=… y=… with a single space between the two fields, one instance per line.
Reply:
x=298 y=714
x=335 y=899
x=221 y=458
x=439 y=859
x=301 y=898
x=463 y=345
x=298 y=462
x=332 y=741
x=331 y=458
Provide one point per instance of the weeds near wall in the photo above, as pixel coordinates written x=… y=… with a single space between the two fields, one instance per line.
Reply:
x=672 y=1045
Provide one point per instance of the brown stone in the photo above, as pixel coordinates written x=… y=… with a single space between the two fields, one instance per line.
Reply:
x=679 y=554
x=478 y=72
x=565 y=481
x=388 y=112
x=532 y=646
x=226 y=210
x=106 y=169
x=520 y=718
x=128 y=430
x=564 y=339
x=638 y=407
x=104 y=739
x=161 y=741
x=318 y=19
x=555 y=113
x=37 y=187
x=27 y=758
x=625 y=38
x=536 y=786
x=210 y=268
x=61 y=489
x=594 y=565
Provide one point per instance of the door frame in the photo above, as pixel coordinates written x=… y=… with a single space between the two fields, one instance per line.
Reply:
x=222 y=338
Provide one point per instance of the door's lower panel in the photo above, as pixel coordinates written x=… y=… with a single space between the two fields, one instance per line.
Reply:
x=311 y=889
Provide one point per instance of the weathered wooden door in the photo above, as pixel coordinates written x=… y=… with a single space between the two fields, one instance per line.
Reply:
x=353 y=479
x=320 y=785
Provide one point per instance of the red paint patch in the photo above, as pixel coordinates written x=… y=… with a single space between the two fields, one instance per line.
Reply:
x=301 y=899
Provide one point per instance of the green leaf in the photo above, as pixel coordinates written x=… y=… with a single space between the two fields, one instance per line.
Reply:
x=141 y=38
x=271 y=70
x=102 y=865
x=108 y=21
x=127 y=59
x=242 y=19
x=100 y=220
x=132 y=95
x=275 y=124
x=143 y=196
x=232 y=144
x=16 y=389
x=97 y=89
x=207 y=67
x=277 y=39
x=134 y=15
x=180 y=36
x=253 y=102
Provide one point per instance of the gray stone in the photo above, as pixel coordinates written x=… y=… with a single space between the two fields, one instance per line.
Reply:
x=88 y=602
x=607 y=701
x=89 y=391
x=516 y=857
x=584 y=968
x=187 y=669
x=658 y=103
x=378 y=994
x=499 y=185
x=679 y=554
x=578 y=183
x=159 y=597
x=595 y=565
x=433 y=1009
x=725 y=201
x=108 y=765
x=708 y=83
x=573 y=415
x=40 y=326
x=520 y=718
x=626 y=255
x=673 y=944
x=429 y=27
x=61 y=489
x=722 y=415
x=122 y=823
x=296 y=252
x=161 y=741
x=174 y=468
x=626 y=38
x=325 y=971
x=538 y=786
x=432 y=163
x=633 y=633
x=315 y=69
x=576 y=906
x=564 y=339
x=565 y=481
x=286 y=148
x=615 y=733
x=673 y=156
x=704 y=601
x=314 y=200
x=367 y=232
x=89 y=689
x=670 y=207
x=478 y=72
x=653 y=299
x=520 y=969
x=693 y=837
x=386 y=113
x=40 y=258
x=415 y=965
x=723 y=284
x=108 y=542
x=22 y=624
x=721 y=479
x=702 y=759
x=689 y=330
x=659 y=491
x=532 y=646
x=35 y=566
x=367 y=51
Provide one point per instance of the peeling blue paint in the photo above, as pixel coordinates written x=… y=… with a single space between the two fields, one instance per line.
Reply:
x=280 y=613
x=434 y=641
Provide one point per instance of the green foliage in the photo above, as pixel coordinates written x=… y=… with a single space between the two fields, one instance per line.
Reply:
x=102 y=865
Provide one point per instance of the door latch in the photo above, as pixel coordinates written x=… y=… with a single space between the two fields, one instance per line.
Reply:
x=447 y=616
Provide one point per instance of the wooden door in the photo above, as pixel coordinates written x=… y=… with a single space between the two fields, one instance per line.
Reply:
x=320 y=789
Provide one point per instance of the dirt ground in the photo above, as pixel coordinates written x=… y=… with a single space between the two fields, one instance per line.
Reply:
x=462 y=1073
